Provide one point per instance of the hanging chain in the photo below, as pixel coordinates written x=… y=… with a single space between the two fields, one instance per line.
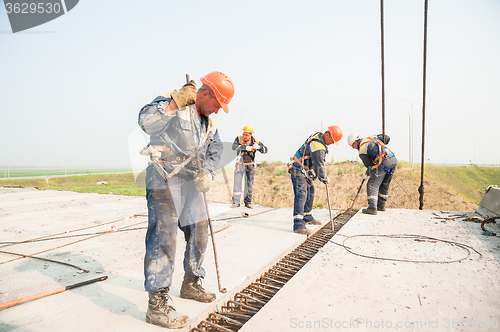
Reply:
x=421 y=188
x=382 y=60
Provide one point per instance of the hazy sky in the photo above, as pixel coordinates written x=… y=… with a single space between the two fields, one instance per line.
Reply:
x=71 y=89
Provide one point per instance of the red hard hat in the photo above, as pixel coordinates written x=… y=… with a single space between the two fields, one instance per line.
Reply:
x=336 y=133
x=221 y=85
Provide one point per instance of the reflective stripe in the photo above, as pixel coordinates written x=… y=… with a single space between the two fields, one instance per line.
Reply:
x=383 y=196
x=298 y=216
x=372 y=197
x=307 y=213
x=236 y=192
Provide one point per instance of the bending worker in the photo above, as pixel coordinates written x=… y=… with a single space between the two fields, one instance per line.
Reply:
x=182 y=134
x=305 y=166
x=246 y=146
x=380 y=163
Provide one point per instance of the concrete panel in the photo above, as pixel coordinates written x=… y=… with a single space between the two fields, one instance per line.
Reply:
x=490 y=203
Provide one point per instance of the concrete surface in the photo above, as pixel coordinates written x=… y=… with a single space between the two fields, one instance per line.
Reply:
x=246 y=248
x=336 y=290
x=339 y=290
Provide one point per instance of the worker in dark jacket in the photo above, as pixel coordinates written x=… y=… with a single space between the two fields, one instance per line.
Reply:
x=181 y=135
x=246 y=147
x=306 y=165
x=380 y=165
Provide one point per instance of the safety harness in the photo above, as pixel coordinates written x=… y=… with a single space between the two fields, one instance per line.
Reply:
x=156 y=162
x=299 y=161
x=383 y=153
x=243 y=152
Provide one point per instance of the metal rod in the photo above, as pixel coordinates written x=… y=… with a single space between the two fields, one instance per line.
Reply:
x=45 y=259
x=227 y=184
x=198 y=162
x=51 y=292
x=328 y=198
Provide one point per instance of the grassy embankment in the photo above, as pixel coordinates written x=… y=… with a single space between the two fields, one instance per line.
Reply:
x=446 y=187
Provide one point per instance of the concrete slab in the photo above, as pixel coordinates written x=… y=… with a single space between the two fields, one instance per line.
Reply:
x=339 y=290
x=246 y=247
x=490 y=203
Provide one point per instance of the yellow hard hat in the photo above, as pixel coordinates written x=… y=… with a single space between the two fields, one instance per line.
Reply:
x=248 y=129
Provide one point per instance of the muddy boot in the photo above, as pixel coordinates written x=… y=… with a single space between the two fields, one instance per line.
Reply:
x=248 y=206
x=313 y=222
x=162 y=314
x=191 y=289
x=369 y=210
x=381 y=208
x=303 y=230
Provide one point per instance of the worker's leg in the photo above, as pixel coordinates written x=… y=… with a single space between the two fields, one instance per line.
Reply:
x=300 y=192
x=309 y=202
x=193 y=222
x=239 y=170
x=373 y=185
x=160 y=240
x=383 y=192
x=249 y=178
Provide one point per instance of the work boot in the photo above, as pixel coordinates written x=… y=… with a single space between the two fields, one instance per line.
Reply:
x=303 y=230
x=162 y=314
x=369 y=210
x=248 y=205
x=191 y=289
x=313 y=222
x=234 y=205
x=381 y=208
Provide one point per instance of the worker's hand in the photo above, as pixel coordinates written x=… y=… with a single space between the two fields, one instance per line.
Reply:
x=326 y=180
x=186 y=95
x=365 y=177
x=256 y=146
x=248 y=148
x=202 y=180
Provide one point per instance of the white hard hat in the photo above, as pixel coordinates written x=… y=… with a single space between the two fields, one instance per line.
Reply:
x=352 y=138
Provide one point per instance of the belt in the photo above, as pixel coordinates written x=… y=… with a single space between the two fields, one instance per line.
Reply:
x=179 y=159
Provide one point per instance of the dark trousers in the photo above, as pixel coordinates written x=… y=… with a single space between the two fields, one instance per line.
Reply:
x=377 y=187
x=303 y=201
x=177 y=206
x=248 y=172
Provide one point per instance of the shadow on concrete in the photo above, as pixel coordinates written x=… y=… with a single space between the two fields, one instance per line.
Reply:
x=66 y=275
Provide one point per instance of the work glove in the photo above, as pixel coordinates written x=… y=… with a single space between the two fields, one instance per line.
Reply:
x=326 y=180
x=186 y=95
x=202 y=180
x=365 y=177
x=248 y=148
x=256 y=146
x=152 y=153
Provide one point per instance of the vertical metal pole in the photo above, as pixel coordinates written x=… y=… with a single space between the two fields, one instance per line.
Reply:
x=198 y=162
x=382 y=65
x=421 y=187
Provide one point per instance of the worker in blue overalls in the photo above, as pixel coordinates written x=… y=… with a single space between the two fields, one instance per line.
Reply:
x=182 y=136
x=380 y=163
x=246 y=147
x=306 y=165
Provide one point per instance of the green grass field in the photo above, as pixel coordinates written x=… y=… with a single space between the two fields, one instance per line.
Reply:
x=30 y=172
x=469 y=181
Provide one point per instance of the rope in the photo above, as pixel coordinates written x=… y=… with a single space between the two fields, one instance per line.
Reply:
x=382 y=60
x=421 y=188
x=416 y=237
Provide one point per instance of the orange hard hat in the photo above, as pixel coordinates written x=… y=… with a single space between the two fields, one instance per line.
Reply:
x=248 y=129
x=336 y=133
x=221 y=85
